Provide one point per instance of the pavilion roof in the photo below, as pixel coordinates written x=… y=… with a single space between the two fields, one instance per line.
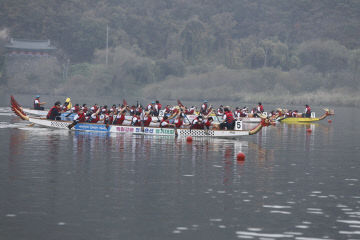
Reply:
x=30 y=44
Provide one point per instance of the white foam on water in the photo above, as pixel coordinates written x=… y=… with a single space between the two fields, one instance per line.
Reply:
x=349 y=221
x=293 y=233
x=302 y=226
x=316 y=192
x=221 y=192
x=215 y=220
x=217 y=166
x=6 y=114
x=254 y=229
x=268 y=235
x=222 y=226
x=245 y=237
x=61 y=223
x=246 y=200
x=314 y=209
x=354 y=226
x=311 y=238
x=176 y=231
x=306 y=222
x=341 y=205
x=10 y=215
x=188 y=175
x=182 y=228
x=282 y=212
x=350 y=232
x=351 y=179
x=276 y=206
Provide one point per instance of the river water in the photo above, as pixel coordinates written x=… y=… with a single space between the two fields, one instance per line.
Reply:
x=293 y=184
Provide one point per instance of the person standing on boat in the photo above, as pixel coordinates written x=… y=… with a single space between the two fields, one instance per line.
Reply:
x=157 y=108
x=203 y=109
x=307 y=111
x=260 y=108
x=229 y=120
x=54 y=112
x=37 y=103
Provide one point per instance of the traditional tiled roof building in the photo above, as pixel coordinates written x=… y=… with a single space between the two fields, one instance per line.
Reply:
x=22 y=47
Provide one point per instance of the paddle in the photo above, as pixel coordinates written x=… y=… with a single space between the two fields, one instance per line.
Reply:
x=181 y=105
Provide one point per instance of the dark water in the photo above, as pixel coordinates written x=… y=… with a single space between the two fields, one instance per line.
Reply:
x=293 y=184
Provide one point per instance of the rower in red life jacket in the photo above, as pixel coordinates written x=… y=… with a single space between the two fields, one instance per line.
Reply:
x=94 y=108
x=120 y=116
x=220 y=111
x=135 y=121
x=260 y=108
x=237 y=113
x=191 y=110
x=80 y=116
x=38 y=104
x=157 y=108
x=307 y=111
x=84 y=108
x=165 y=123
x=94 y=117
x=204 y=108
x=147 y=119
x=55 y=112
x=229 y=121
x=76 y=108
x=179 y=121
x=197 y=123
x=207 y=123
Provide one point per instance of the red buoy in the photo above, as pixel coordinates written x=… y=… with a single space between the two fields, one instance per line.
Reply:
x=189 y=139
x=240 y=156
x=309 y=130
x=329 y=121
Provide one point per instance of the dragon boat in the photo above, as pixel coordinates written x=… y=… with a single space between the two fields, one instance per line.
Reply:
x=286 y=119
x=176 y=132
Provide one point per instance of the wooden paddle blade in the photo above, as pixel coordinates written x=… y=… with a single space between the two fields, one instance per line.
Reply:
x=124 y=102
x=179 y=103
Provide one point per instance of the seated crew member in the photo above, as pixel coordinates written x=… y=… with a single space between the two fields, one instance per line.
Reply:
x=197 y=123
x=119 y=119
x=94 y=117
x=165 y=123
x=84 y=108
x=207 y=123
x=307 y=112
x=147 y=119
x=179 y=121
x=67 y=105
x=55 y=112
x=220 y=111
x=76 y=108
x=37 y=103
x=135 y=121
x=229 y=121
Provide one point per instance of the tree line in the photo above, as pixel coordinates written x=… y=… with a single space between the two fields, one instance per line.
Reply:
x=217 y=47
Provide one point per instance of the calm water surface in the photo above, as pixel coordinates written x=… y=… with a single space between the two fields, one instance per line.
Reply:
x=57 y=184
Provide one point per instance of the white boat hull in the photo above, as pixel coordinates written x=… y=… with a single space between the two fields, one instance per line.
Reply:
x=182 y=132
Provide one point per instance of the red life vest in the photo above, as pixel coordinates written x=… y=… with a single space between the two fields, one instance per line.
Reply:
x=95 y=120
x=167 y=121
x=159 y=106
x=81 y=117
x=51 y=109
x=120 y=120
x=147 y=121
x=178 y=123
x=308 y=110
x=229 y=117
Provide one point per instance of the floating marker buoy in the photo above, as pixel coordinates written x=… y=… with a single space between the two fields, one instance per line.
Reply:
x=189 y=138
x=329 y=121
x=309 y=130
x=240 y=156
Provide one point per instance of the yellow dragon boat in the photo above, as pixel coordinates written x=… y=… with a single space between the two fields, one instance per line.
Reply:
x=311 y=119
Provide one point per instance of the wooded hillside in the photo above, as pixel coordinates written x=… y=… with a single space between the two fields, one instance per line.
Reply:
x=215 y=48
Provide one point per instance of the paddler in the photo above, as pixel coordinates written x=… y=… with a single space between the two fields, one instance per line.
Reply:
x=67 y=105
x=260 y=108
x=38 y=104
x=55 y=112
x=203 y=108
x=307 y=112
x=229 y=120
